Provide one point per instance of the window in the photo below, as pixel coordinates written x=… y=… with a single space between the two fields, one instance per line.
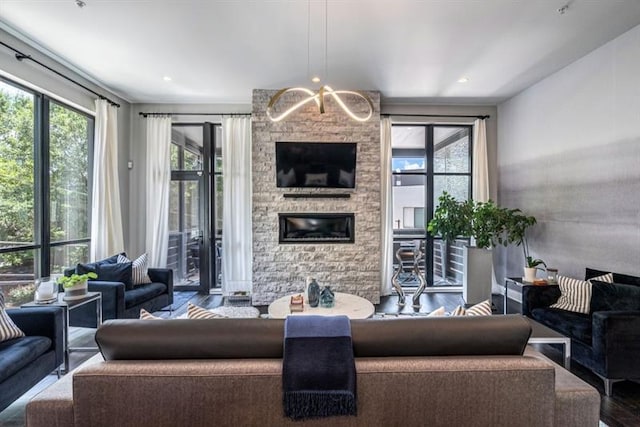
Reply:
x=45 y=148
x=427 y=160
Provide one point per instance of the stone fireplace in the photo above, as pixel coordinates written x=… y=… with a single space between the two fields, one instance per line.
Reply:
x=351 y=262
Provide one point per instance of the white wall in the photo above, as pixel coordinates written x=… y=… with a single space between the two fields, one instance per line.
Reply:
x=569 y=154
x=36 y=76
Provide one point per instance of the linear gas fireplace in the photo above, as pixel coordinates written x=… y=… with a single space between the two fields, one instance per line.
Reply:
x=316 y=227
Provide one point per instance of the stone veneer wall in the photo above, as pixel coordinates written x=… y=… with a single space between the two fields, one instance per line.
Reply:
x=280 y=269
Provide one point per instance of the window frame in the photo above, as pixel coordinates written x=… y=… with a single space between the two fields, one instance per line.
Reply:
x=42 y=244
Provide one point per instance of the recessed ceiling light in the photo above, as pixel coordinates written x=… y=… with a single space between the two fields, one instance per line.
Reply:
x=166 y=78
x=315 y=79
x=463 y=79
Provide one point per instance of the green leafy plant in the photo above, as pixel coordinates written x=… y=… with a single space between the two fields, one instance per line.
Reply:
x=534 y=263
x=74 y=279
x=452 y=218
x=489 y=224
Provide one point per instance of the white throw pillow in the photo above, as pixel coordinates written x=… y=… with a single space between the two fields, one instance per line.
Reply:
x=437 y=312
x=8 y=329
x=139 y=273
x=575 y=294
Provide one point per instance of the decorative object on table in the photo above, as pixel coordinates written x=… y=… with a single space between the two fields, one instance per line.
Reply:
x=540 y=282
x=552 y=276
x=296 y=304
x=313 y=292
x=327 y=297
x=46 y=291
x=413 y=254
x=75 y=286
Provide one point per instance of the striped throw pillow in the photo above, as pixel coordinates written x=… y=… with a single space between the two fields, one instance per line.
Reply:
x=8 y=329
x=459 y=311
x=145 y=315
x=575 y=294
x=481 y=309
x=195 y=312
x=139 y=274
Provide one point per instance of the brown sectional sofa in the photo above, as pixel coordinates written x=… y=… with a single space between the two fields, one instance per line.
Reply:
x=227 y=372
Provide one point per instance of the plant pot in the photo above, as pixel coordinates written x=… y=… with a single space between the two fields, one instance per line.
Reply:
x=478 y=274
x=529 y=274
x=77 y=291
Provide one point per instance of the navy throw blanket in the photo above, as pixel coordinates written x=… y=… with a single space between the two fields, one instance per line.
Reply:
x=319 y=372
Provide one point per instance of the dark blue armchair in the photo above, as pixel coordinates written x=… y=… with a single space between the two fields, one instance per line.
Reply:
x=27 y=360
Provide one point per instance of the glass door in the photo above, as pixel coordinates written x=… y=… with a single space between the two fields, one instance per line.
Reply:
x=428 y=160
x=189 y=207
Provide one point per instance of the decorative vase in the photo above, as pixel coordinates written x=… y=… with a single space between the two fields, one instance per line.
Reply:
x=327 y=298
x=77 y=291
x=313 y=292
x=529 y=274
x=46 y=291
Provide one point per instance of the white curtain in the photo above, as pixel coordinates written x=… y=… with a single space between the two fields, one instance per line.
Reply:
x=386 y=207
x=237 y=250
x=158 y=179
x=106 y=217
x=480 y=191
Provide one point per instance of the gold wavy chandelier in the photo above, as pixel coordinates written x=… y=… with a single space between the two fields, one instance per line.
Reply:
x=324 y=91
x=318 y=97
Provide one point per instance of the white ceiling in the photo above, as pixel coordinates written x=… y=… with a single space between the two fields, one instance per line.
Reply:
x=409 y=50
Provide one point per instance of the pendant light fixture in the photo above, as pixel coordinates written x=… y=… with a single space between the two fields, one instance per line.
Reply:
x=325 y=91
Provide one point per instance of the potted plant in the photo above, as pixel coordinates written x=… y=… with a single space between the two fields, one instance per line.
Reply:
x=75 y=286
x=451 y=219
x=516 y=224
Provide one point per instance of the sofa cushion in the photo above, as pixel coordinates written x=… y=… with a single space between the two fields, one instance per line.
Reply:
x=143 y=293
x=614 y=296
x=18 y=353
x=624 y=279
x=569 y=323
x=108 y=272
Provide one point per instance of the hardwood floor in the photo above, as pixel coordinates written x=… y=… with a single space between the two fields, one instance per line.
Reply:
x=620 y=410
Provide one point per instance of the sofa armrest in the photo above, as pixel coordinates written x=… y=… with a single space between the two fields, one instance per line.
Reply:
x=616 y=343
x=538 y=296
x=163 y=275
x=112 y=298
x=44 y=322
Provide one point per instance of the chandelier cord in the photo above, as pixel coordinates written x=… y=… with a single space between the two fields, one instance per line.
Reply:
x=308 y=38
x=326 y=40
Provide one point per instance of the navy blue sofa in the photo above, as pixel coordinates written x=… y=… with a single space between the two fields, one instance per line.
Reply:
x=27 y=360
x=122 y=300
x=607 y=340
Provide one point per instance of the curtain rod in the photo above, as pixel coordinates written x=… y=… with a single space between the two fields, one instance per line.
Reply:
x=193 y=114
x=21 y=56
x=439 y=115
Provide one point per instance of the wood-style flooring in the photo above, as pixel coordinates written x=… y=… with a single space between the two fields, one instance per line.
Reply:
x=620 y=410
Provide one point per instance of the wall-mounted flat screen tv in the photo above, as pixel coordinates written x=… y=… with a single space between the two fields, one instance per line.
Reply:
x=316 y=164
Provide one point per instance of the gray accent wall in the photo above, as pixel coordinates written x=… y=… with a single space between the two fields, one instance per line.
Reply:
x=280 y=269
x=569 y=154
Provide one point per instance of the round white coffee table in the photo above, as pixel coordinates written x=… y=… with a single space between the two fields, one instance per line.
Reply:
x=352 y=306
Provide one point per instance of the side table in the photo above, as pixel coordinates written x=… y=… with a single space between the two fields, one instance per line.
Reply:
x=67 y=306
x=515 y=282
